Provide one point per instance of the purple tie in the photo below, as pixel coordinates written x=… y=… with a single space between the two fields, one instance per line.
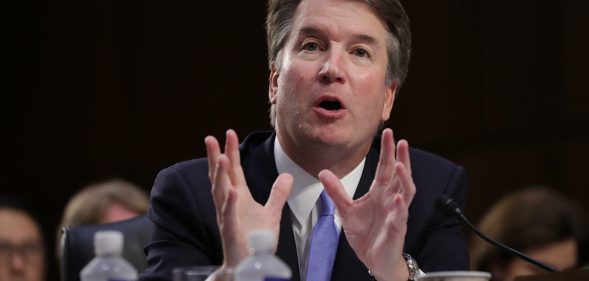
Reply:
x=323 y=244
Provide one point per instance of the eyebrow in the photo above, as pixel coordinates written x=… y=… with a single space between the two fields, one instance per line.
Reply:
x=315 y=31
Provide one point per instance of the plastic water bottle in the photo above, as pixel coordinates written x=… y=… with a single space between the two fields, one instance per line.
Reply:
x=108 y=265
x=262 y=264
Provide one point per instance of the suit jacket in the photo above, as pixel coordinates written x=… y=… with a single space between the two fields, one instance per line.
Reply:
x=186 y=232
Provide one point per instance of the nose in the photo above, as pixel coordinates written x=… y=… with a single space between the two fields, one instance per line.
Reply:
x=332 y=70
x=17 y=262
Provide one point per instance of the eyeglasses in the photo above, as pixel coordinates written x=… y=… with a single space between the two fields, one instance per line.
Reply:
x=30 y=252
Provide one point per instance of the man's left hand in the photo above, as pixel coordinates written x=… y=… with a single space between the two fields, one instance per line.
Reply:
x=375 y=224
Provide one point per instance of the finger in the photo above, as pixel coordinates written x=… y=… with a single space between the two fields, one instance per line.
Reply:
x=391 y=235
x=232 y=147
x=221 y=182
x=229 y=211
x=403 y=154
x=213 y=152
x=396 y=220
x=279 y=194
x=386 y=162
x=336 y=191
x=408 y=188
x=232 y=152
x=232 y=238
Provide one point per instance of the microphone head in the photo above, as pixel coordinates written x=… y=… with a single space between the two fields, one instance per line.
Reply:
x=448 y=205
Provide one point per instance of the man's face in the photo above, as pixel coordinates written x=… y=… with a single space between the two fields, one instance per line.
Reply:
x=21 y=248
x=330 y=87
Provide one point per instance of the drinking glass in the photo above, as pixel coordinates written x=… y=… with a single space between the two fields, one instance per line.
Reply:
x=193 y=273
x=456 y=276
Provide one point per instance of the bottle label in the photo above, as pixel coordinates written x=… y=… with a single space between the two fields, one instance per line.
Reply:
x=275 y=279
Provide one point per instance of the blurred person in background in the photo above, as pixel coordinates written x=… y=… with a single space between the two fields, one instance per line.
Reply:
x=22 y=252
x=537 y=221
x=106 y=202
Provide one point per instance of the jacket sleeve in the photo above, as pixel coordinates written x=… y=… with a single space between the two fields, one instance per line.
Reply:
x=185 y=232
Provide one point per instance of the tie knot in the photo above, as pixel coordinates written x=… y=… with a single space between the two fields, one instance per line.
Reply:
x=327 y=205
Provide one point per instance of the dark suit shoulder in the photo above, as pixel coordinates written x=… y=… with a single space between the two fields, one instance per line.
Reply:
x=433 y=176
x=436 y=240
x=249 y=146
x=182 y=184
x=426 y=161
x=187 y=167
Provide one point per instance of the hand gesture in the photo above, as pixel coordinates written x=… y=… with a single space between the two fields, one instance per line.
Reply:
x=237 y=212
x=375 y=224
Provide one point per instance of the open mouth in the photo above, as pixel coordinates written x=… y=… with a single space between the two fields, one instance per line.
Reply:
x=331 y=105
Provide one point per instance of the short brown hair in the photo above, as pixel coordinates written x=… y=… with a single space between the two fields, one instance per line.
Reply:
x=527 y=220
x=279 y=24
x=88 y=206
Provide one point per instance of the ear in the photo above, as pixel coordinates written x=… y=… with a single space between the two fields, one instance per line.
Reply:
x=389 y=100
x=273 y=83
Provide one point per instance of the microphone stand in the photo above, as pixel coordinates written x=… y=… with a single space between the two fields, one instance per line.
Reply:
x=448 y=205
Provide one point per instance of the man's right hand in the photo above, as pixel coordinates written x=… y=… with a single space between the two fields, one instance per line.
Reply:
x=237 y=212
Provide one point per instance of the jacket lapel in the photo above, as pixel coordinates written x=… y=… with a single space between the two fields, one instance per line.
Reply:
x=287 y=250
x=260 y=175
x=347 y=266
x=260 y=171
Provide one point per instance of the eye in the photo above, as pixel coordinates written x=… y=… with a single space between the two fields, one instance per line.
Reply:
x=361 y=52
x=311 y=46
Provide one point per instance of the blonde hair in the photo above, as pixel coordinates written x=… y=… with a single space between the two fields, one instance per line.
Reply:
x=89 y=205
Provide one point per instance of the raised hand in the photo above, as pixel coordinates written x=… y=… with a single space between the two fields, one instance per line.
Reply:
x=375 y=224
x=237 y=212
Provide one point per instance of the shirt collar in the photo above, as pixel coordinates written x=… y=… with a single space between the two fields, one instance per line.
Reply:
x=307 y=188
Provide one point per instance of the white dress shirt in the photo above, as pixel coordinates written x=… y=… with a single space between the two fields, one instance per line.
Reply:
x=303 y=200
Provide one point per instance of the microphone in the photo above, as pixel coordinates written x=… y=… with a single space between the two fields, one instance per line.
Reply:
x=452 y=208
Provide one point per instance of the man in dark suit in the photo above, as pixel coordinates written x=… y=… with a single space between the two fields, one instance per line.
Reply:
x=336 y=66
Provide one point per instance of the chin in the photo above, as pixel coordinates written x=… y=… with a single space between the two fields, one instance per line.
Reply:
x=330 y=136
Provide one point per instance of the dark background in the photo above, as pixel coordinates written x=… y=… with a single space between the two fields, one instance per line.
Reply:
x=100 y=89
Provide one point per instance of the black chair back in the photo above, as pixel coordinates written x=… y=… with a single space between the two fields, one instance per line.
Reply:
x=77 y=245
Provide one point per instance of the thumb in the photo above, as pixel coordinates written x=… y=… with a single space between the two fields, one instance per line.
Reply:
x=280 y=191
x=335 y=190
